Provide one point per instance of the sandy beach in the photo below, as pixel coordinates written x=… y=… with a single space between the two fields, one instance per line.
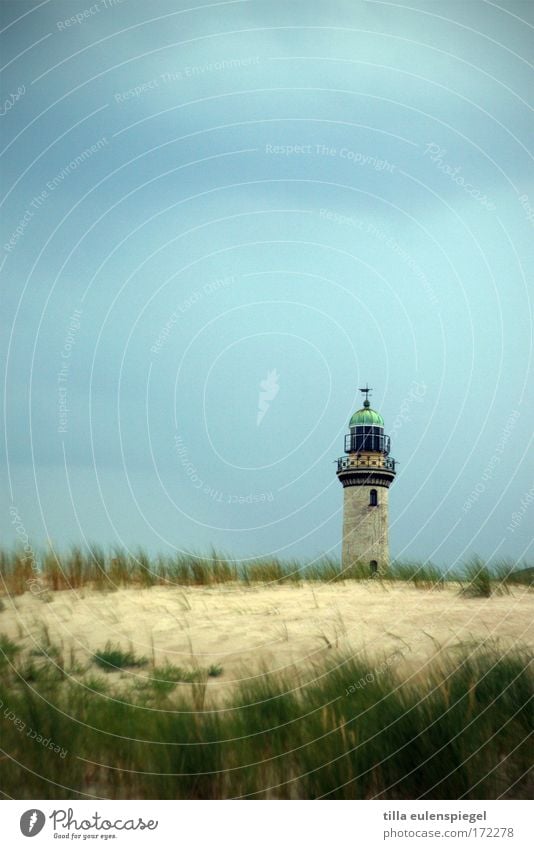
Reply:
x=245 y=629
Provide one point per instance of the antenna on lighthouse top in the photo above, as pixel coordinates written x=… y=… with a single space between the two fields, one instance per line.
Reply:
x=367 y=389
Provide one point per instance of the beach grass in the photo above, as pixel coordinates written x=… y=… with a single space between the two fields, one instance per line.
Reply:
x=117 y=569
x=112 y=658
x=457 y=728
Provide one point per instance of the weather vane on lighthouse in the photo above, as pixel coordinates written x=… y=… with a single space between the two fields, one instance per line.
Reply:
x=367 y=389
x=366 y=473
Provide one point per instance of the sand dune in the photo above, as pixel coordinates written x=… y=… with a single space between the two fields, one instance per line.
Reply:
x=245 y=628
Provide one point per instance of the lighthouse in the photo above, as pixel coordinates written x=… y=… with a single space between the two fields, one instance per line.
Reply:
x=366 y=472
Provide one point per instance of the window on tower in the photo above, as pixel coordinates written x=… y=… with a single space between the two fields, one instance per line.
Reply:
x=373 y=498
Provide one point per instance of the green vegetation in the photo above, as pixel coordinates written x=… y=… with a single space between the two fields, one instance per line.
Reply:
x=95 y=569
x=421 y=575
x=112 y=658
x=350 y=728
x=8 y=649
x=478 y=577
x=164 y=679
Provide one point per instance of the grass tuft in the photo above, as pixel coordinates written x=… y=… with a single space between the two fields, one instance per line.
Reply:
x=8 y=649
x=113 y=658
x=478 y=580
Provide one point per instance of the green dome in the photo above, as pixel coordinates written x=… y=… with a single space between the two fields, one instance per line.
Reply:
x=366 y=416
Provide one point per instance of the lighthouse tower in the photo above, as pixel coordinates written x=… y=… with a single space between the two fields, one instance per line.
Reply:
x=366 y=473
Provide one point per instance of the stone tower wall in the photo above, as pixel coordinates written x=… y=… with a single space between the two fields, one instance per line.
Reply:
x=365 y=528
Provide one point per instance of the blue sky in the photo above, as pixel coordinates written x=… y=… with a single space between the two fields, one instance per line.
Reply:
x=201 y=199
